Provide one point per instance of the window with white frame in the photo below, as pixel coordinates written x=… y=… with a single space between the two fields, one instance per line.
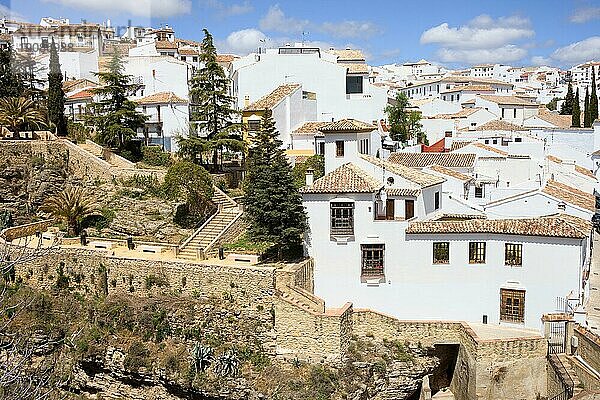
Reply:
x=342 y=218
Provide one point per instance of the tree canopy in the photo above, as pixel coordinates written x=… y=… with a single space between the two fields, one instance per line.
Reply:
x=567 y=106
x=576 y=118
x=273 y=204
x=191 y=181
x=404 y=124
x=56 y=95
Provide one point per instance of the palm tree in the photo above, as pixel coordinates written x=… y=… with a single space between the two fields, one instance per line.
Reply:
x=17 y=113
x=71 y=205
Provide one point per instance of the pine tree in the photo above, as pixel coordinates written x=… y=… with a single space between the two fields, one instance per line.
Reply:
x=114 y=116
x=11 y=84
x=56 y=95
x=273 y=204
x=211 y=105
x=586 y=110
x=567 y=106
x=593 y=99
x=576 y=118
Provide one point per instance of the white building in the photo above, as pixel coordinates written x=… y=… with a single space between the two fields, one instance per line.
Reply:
x=582 y=73
x=339 y=80
x=168 y=117
x=510 y=108
x=380 y=239
x=435 y=87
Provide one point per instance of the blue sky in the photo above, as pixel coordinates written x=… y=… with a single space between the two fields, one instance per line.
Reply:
x=452 y=32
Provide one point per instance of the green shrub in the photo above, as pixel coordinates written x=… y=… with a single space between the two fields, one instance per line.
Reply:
x=137 y=357
x=153 y=280
x=153 y=155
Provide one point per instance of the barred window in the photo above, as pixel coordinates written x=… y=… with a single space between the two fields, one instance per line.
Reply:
x=512 y=305
x=253 y=125
x=513 y=254
x=441 y=252
x=372 y=259
x=339 y=148
x=477 y=253
x=342 y=218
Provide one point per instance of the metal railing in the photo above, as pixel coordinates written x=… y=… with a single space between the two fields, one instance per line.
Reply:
x=564 y=379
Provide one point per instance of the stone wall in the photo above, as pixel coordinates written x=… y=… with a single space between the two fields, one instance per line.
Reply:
x=588 y=346
x=92 y=271
x=312 y=336
x=31 y=229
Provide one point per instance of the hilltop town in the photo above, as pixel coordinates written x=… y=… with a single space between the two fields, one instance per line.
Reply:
x=292 y=223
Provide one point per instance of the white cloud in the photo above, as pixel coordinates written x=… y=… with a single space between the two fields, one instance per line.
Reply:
x=242 y=42
x=583 y=15
x=8 y=13
x=584 y=50
x=142 y=8
x=275 y=20
x=482 y=39
x=350 y=29
x=541 y=61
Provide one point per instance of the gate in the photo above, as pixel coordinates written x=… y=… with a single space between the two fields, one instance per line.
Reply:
x=557 y=338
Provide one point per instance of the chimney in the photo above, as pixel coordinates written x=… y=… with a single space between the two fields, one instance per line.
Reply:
x=310 y=177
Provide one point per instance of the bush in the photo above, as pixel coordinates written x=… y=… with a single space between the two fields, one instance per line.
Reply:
x=137 y=357
x=153 y=155
x=153 y=280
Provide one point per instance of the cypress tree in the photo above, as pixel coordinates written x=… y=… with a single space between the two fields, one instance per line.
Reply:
x=273 y=204
x=593 y=99
x=11 y=84
x=114 y=116
x=56 y=95
x=567 y=106
x=586 y=110
x=211 y=104
x=576 y=119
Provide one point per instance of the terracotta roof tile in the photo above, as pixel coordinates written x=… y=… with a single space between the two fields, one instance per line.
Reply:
x=310 y=127
x=500 y=125
x=578 y=168
x=490 y=148
x=188 y=52
x=165 y=45
x=347 y=125
x=84 y=94
x=560 y=121
x=346 y=179
x=348 y=55
x=226 y=57
x=570 y=195
x=420 y=160
x=422 y=179
x=450 y=172
x=162 y=98
x=354 y=68
x=560 y=225
x=272 y=99
x=465 y=112
x=472 y=88
x=507 y=100
x=402 y=192
x=459 y=144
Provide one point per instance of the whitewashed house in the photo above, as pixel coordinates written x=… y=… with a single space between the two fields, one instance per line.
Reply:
x=447 y=125
x=168 y=117
x=380 y=238
x=510 y=108
x=430 y=106
x=339 y=80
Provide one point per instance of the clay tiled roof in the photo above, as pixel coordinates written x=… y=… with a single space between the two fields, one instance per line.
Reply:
x=347 y=125
x=355 y=68
x=422 y=179
x=348 y=55
x=420 y=160
x=450 y=172
x=490 y=148
x=84 y=94
x=402 y=192
x=162 y=98
x=5 y=37
x=578 y=168
x=165 y=45
x=459 y=144
x=69 y=85
x=188 y=52
x=560 y=225
x=570 y=195
x=560 y=121
x=507 y=100
x=346 y=179
x=500 y=125
x=226 y=57
x=272 y=99
x=465 y=112
x=310 y=127
x=472 y=88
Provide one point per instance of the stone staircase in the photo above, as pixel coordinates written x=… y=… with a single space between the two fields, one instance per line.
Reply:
x=567 y=374
x=202 y=240
x=306 y=301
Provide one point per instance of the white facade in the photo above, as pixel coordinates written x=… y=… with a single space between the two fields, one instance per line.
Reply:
x=159 y=74
x=319 y=73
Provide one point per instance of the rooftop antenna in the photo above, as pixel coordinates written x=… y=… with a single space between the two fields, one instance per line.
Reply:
x=304 y=34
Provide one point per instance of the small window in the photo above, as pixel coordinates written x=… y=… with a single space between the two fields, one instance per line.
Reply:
x=518 y=140
x=372 y=259
x=354 y=84
x=342 y=218
x=479 y=192
x=254 y=125
x=441 y=252
x=477 y=253
x=339 y=148
x=495 y=141
x=514 y=113
x=513 y=254
x=322 y=148
x=486 y=141
x=512 y=305
x=437 y=200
